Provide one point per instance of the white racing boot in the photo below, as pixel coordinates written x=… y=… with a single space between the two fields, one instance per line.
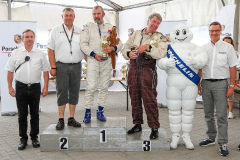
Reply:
x=175 y=140
x=187 y=141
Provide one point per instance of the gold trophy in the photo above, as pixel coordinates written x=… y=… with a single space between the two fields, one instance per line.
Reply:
x=153 y=42
x=84 y=69
x=124 y=70
x=104 y=43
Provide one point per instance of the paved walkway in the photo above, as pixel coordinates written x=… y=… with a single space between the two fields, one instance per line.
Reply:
x=116 y=107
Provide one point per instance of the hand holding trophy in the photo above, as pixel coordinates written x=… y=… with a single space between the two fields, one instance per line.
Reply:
x=104 y=43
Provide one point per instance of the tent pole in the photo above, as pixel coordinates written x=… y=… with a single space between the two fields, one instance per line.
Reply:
x=223 y=3
x=117 y=22
x=236 y=37
x=9 y=10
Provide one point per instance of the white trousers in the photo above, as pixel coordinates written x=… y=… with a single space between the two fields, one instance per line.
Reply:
x=97 y=72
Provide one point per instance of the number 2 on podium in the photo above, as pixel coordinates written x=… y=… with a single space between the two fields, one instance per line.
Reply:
x=63 y=143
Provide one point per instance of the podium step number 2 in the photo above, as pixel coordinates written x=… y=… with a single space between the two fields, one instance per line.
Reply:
x=63 y=143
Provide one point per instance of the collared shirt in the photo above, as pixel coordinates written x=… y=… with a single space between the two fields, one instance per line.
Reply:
x=221 y=57
x=92 y=35
x=58 y=42
x=30 y=71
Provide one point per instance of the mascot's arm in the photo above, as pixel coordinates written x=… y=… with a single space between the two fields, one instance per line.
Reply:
x=166 y=63
x=84 y=41
x=158 y=52
x=200 y=58
x=128 y=45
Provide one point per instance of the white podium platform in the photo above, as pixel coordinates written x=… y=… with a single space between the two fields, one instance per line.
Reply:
x=100 y=136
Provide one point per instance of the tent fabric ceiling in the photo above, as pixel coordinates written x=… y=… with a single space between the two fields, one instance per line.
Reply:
x=196 y=12
x=116 y=5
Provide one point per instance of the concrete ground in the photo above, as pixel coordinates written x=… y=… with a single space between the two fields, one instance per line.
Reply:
x=116 y=107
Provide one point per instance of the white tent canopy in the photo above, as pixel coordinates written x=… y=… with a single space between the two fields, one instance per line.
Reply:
x=196 y=12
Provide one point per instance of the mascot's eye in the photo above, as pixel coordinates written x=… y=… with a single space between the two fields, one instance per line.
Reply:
x=177 y=32
x=184 y=31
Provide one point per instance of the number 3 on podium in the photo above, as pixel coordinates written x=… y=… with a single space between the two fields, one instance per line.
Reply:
x=146 y=146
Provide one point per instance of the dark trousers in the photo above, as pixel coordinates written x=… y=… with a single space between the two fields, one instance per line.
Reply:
x=142 y=82
x=28 y=96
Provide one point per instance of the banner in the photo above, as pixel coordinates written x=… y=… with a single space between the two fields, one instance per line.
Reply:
x=226 y=17
x=9 y=40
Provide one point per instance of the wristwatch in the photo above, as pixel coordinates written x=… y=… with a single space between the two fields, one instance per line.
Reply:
x=149 y=49
x=231 y=85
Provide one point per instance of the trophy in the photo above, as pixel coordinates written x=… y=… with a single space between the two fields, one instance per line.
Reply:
x=84 y=69
x=124 y=70
x=104 y=43
x=52 y=78
x=153 y=42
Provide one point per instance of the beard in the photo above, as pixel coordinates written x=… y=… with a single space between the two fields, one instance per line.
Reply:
x=98 y=20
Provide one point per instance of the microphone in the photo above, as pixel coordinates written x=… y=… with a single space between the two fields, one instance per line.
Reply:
x=27 y=58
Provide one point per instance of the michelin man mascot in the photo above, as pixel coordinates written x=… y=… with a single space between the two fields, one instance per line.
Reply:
x=181 y=64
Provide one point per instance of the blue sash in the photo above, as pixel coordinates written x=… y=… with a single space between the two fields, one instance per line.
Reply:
x=182 y=67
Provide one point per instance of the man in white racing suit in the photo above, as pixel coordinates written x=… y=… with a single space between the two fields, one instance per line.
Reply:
x=92 y=36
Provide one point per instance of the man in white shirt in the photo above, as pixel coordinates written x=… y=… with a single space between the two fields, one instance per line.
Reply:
x=28 y=62
x=65 y=59
x=215 y=90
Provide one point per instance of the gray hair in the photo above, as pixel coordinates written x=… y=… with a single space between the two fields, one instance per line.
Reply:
x=96 y=7
x=27 y=30
x=67 y=9
x=156 y=15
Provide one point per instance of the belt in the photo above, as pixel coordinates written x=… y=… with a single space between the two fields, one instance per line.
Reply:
x=215 y=80
x=29 y=85
x=67 y=63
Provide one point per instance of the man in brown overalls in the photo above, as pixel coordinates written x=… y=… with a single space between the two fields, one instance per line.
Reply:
x=143 y=48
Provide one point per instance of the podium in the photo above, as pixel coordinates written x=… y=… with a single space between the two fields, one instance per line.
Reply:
x=100 y=136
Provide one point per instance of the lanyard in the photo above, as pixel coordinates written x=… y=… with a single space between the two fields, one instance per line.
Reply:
x=141 y=40
x=99 y=30
x=69 y=40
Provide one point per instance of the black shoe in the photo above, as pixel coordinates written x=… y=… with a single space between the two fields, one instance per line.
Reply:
x=136 y=128
x=23 y=144
x=223 y=150
x=60 y=125
x=35 y=143
x=73 y=122
x=207 y=142
x=154 y=134
x=239 y=147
